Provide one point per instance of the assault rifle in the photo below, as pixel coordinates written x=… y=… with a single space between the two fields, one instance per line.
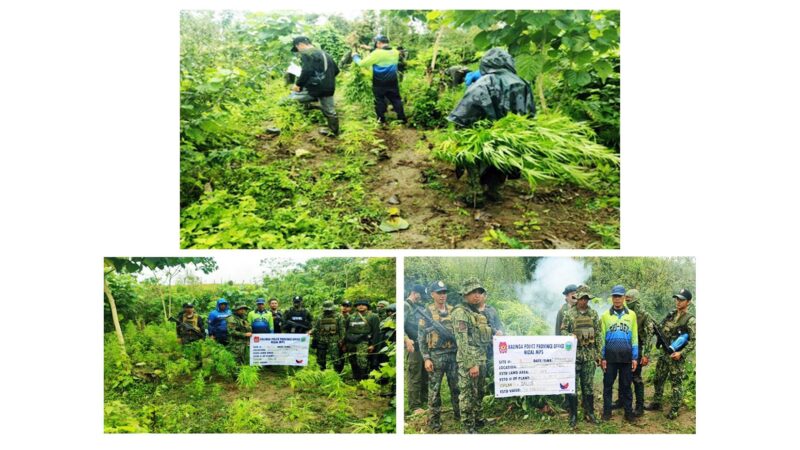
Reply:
x=189 y=328
x=445 y=334
x=669 y=348
x=294 y=325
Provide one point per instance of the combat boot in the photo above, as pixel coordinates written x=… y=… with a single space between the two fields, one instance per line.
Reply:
x=480 y=423
x=435 y=425
x=673 y=414
x=617 y=404
x=588 y=410
x=333 y=124
x=653 y=406
x=630 y=417
x=606 y=415
x=572 y=402
x=457 y=414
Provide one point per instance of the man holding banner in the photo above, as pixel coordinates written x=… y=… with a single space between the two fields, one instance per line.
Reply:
x=583 y=323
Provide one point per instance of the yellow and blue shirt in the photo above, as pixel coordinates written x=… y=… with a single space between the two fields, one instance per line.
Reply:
x=620 y=335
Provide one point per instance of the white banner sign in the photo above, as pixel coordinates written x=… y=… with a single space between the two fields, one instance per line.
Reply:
x=279 y=349
x=534 y=365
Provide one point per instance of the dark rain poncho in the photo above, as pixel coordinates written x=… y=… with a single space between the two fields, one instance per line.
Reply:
x=497 y=92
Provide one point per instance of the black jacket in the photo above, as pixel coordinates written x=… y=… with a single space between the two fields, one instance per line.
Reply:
x=315 y=78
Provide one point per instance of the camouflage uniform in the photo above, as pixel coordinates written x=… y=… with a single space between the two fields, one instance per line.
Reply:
x=675 y=371
x=493 y=318
x=473 y=334
x=585 y=325
x=190 y=329
x=416 y=376
x=442 y=354
x=239 y=343
x=645 y=324
x=361 y=331
x=328 y=335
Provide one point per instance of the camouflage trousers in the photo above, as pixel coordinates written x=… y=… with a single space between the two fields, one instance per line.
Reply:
x=675 y=372
x=241 y=351
x=359 y=363
x=470 y=398
x=416 y=380
x=584 y=378
x=444 y=364
x=326 y=350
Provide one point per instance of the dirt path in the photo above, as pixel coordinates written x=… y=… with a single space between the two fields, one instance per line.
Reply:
x=432 y=201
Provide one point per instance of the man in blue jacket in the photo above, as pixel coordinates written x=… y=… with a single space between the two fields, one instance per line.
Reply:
x=217 y=322
x=619 y=352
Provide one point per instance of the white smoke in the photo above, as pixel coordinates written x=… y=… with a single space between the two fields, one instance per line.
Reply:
x=552 y=275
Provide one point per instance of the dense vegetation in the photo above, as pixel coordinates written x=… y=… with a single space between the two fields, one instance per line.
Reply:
x=153 y=384
x=245 y=187
x=505 y=279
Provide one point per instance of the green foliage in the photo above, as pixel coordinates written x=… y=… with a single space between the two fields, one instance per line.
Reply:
x=550 y=147
x=387 y=423
x=117 y=365
x=119 y=418
x=329 y=39
x=357 y=83
x=246 y=416
x=248 y=377
x=359 y=137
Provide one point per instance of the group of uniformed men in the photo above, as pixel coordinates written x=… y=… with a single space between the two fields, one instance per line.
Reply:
x=357 y=336
x=456 y=342
x=453 y=341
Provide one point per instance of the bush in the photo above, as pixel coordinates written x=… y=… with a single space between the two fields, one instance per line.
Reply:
x=550 y=147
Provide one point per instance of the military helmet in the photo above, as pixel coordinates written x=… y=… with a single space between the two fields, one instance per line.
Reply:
x=188 y=305
x=362 y=302
x=471 y=284
x=633 y=296
x=684 y=294
x=346 y=303
x=383 y=303
x=583 y=291
x=241 y=306
x=327 y=305
x=437 y=286
x=392 y=308
x=297 y=299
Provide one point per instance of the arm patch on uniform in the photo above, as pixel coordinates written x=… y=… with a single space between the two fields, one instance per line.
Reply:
x=462 y=326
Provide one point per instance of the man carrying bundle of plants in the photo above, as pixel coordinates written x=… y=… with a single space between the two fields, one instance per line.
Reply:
x=317 y=81
x=384 y=61
x=497 y=92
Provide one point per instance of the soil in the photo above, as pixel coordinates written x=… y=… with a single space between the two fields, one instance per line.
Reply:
x=433 y=201
x=510 y=421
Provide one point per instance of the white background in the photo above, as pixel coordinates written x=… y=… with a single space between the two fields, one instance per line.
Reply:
x=90 y=168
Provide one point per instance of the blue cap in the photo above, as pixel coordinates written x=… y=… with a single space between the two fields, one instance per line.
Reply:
x=260 y=301
x=569 y=288
x=618 y=290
